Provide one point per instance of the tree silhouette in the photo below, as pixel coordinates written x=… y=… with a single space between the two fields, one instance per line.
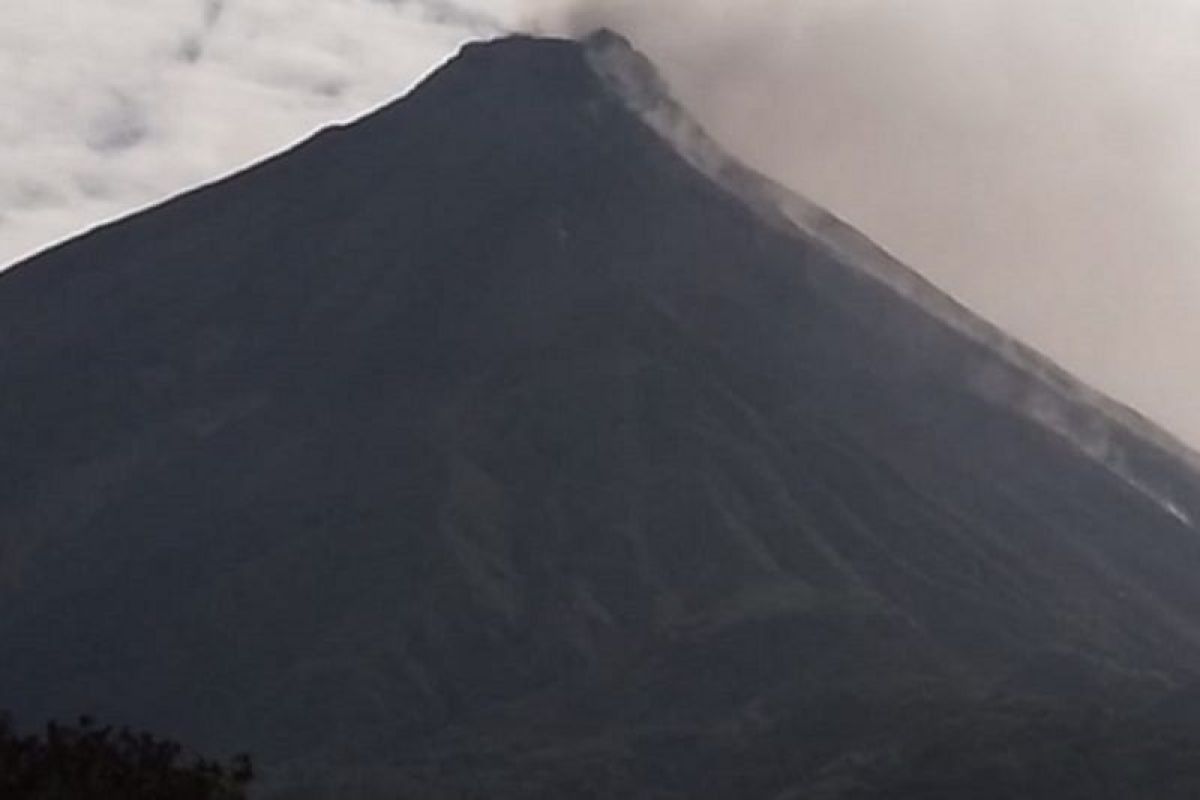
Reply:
x=87 y=762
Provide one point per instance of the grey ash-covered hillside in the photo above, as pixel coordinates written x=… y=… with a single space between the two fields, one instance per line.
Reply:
x=514 y=440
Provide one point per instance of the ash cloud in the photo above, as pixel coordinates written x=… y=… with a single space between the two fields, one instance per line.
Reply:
x=1039 y=159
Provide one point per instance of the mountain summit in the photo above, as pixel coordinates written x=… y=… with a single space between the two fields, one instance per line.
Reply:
x=515 y=441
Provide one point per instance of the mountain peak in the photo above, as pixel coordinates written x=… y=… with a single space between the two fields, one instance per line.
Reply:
x=608 y=40
x=608 y=52
x=516 y=438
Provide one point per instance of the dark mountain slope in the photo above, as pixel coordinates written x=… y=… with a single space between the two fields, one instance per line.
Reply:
x=493 y=443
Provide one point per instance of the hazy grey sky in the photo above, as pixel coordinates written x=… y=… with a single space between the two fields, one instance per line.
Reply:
x=1038 y=158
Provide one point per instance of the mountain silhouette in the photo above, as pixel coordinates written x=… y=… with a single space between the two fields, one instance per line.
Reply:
x=515 y=441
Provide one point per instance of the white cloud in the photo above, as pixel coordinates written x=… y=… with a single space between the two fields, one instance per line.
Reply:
x=109 y=106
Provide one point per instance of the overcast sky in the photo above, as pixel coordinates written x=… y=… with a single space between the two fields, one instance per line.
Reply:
x=1040 y=159
x=111 y=104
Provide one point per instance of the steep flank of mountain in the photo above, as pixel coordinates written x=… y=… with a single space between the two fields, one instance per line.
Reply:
x=1114 y=435
x=513 y=441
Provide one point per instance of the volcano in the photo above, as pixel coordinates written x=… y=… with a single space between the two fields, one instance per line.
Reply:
x=516 y=441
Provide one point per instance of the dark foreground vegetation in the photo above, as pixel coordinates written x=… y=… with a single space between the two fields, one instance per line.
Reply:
x=90 y=762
